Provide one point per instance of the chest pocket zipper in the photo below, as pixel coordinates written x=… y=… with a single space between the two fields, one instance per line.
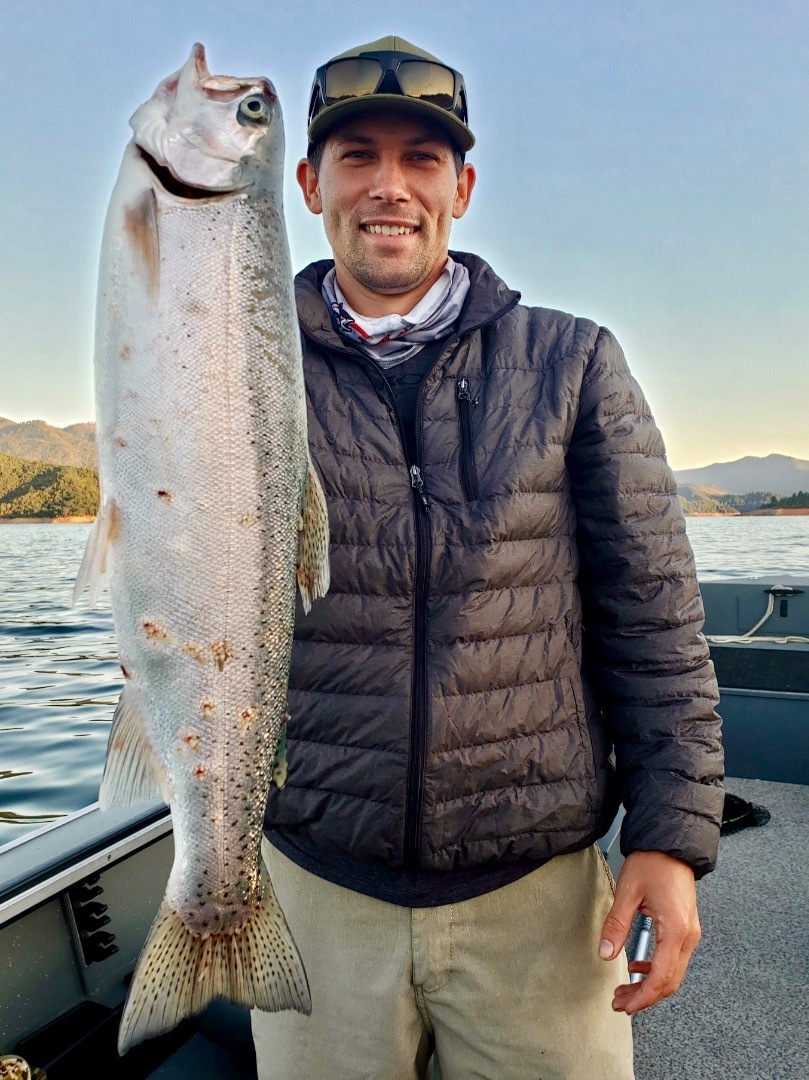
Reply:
x=466 y=403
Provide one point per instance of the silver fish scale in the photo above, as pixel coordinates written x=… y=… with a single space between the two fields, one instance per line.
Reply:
x=208 y=467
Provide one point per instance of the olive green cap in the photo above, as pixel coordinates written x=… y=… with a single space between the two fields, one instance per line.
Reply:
x=323 y=117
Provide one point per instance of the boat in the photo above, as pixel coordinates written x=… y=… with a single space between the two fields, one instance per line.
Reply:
x=77 y=898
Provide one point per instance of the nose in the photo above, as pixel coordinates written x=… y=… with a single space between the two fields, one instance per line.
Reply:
x=388 y=183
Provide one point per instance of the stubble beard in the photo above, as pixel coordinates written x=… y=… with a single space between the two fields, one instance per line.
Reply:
x=379 y=274
x=389 y=276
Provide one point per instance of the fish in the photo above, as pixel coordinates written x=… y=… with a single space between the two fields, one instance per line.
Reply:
x=212 y=517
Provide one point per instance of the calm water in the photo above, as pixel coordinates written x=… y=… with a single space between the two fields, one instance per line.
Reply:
x=59 y=674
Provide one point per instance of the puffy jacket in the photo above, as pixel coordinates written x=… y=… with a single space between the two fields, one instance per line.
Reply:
x=503 y=617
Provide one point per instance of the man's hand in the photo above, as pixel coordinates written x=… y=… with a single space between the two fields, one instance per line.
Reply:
x=662 y=887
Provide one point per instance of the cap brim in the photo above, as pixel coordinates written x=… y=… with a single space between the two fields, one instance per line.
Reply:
x=332 y=115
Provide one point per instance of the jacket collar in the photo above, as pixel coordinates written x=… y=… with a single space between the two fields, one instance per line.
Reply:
x=488 y=299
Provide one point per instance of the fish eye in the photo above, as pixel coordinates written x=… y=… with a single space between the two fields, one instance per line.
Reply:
x=253 y=110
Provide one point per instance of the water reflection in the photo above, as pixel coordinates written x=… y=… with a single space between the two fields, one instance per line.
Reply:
x=54 y=720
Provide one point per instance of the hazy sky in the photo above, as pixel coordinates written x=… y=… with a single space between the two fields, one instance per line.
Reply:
x=645 y=164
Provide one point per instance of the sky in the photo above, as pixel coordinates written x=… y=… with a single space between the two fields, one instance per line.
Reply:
x=640 y=162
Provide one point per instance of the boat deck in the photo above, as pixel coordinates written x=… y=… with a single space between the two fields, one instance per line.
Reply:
x=741 y=1011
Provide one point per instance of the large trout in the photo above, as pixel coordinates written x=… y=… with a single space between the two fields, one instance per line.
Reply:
x=211 y=513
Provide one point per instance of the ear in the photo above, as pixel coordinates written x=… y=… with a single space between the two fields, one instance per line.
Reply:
x=466 y=181
x=307 y=178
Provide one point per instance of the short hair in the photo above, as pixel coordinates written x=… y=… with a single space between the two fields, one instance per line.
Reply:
x=314 y=155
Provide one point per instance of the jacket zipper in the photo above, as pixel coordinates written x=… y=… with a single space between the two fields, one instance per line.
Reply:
x=418 y=713
x=466 y=403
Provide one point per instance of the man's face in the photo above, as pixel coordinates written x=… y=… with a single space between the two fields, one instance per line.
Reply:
x=388 y=191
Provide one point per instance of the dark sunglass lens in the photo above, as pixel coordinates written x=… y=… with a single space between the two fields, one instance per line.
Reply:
x=430 y=82
x=351 y=78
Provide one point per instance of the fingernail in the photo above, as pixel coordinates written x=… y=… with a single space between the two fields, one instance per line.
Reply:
x=605 y=950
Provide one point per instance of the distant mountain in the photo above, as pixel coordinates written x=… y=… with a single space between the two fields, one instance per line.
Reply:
x=34 y=440
x=776 y=474
x=40 y=489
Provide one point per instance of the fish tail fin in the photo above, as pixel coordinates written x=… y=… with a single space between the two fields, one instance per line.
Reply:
x=180 y=972
x=313 y=548
x=93 y=567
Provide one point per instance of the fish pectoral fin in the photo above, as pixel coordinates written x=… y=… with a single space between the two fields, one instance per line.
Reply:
x=180 y=972
x=132 y=773
x=313 y=545
x=95 y=563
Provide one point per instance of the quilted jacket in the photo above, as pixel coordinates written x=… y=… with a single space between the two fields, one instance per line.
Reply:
x=505 y=611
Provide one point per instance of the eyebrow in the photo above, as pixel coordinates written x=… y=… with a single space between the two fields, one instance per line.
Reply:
x=366 y=140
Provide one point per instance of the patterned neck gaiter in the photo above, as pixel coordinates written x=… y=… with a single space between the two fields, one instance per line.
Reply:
x=392 y=339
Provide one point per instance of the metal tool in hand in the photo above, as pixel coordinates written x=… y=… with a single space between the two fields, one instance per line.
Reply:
x=642 y=946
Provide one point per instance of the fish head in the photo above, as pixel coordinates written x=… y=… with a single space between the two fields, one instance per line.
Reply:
x=213 y=133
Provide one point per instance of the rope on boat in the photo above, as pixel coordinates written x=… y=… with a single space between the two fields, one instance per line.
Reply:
x=746 y=638
x=13 y=1067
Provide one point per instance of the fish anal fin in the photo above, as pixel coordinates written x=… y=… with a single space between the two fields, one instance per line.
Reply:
x=180 y=972
x=132 y=773
x=313 y=544
x=95 y=562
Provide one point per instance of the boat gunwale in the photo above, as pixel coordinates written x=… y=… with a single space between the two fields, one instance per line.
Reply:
x=42 y=872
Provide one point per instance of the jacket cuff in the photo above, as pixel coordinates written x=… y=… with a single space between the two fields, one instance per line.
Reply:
x=682 y=820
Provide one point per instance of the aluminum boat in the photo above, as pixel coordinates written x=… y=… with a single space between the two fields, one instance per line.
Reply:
x=77 y=899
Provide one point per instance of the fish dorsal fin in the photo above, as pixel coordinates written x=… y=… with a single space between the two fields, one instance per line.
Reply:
x=313 y=546
x=132 y=773
x=95 y=564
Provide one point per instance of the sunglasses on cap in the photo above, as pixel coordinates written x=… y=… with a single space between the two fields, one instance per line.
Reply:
x=389 y=73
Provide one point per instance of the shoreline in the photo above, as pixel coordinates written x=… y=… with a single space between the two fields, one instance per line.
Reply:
x=777 y=512
x=82 y=519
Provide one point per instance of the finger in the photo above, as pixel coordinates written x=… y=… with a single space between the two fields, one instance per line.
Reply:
x=623 y=996
x=617 y=924
x=665 y=974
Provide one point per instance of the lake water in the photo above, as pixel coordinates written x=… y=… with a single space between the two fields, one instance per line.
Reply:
x=59 y=674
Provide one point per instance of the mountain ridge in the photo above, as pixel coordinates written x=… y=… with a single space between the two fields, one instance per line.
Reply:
x=37 y=440
x=773 y=474
x=778 y=474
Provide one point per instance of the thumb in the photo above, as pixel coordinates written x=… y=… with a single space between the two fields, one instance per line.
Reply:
x=616 y=926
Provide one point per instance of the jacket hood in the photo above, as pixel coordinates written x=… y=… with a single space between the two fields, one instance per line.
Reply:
x=489 y=297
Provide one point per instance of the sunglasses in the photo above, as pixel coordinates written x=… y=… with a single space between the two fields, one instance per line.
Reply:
x=423 y=80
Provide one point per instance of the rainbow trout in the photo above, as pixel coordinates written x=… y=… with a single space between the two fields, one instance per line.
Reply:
x=211 y=515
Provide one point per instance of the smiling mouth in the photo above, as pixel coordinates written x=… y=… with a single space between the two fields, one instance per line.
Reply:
x=389 y=230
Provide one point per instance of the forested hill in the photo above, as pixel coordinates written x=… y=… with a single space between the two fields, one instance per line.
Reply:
x=34 y=440
x=798 y=501
x=39 y=489
x=697 y=499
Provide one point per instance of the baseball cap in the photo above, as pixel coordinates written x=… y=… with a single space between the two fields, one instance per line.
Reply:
x=384 y=73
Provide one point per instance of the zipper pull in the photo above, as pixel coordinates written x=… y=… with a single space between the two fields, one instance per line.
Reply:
x=463 y=392
x=417 y=483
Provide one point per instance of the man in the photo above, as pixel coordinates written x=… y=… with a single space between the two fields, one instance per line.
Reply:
x=512 y=597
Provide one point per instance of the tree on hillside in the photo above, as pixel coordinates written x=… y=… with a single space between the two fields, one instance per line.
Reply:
x=34 y=489
x=799 y=500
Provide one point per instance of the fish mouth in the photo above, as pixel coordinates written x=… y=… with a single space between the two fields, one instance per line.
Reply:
x=173 y=185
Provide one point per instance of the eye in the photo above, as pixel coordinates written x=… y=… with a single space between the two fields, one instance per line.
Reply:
x=253 y=110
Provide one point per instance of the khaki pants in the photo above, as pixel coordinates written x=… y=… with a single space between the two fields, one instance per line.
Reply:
x=507 y=986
